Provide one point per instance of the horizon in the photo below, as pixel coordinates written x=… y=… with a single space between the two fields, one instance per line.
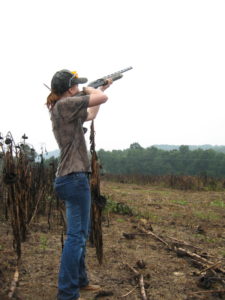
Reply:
x=47 y=153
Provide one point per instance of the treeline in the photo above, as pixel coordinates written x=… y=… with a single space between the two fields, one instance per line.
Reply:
x=154 y=161
x=218 y=148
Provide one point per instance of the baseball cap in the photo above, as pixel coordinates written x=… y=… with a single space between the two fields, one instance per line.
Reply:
x=65 y=79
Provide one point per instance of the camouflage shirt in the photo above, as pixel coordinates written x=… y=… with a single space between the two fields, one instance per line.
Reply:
x=68 y=116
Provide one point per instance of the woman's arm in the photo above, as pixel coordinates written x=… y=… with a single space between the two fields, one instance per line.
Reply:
x=97 y=97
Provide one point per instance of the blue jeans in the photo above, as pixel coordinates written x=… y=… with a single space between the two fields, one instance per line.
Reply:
x=75 y=191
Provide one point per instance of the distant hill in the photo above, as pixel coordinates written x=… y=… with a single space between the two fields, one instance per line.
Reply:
x=218 y=148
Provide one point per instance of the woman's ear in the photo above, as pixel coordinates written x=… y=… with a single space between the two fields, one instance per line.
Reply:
x=73 y=90
x=70 y=90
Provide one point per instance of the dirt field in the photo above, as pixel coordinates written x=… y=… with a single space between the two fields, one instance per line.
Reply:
x=192 y=221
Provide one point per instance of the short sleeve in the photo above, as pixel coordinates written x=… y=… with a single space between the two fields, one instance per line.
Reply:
x=73 y=108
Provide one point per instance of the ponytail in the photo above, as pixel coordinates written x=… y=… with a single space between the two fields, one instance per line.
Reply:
x=52 y=99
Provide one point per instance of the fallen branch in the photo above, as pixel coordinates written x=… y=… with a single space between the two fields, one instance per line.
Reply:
x=211 y=267
x=197 y=259
x=184 y=243
x=183 y=252
x=133 y=270
x=14 y=283
x=155 y=236
x=197 y=263
x=141 y=282
x=142 y=286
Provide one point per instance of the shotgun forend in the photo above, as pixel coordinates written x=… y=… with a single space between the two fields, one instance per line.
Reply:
x=103 y=81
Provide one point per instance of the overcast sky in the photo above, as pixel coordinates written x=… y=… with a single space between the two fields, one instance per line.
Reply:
x=174 y=94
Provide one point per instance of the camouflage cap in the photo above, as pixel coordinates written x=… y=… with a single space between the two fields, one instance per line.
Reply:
x=65 y=79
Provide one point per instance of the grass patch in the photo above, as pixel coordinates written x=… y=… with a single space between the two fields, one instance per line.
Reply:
x=120 y=220
x=218 y=203
x=43 y=242
x=211 y=240
x=163 y=193
x=177 y=215
x=118 y=207
x=123 y=194
x=147 y=215
x=207 y=216
x=181 y=202
x=207 y=239
x=110 y=206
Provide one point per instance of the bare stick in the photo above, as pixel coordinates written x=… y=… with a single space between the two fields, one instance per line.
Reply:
x=193 y=255
x=14 y=283
x=130 y=291
x=155 y=236
x=196 y=256
x=204 y=262
x=142 y=286
x=211 y=267
x=141 y=282
x=133 y=269
x=184 y=243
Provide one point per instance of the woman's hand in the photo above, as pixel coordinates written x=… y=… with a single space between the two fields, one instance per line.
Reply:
x=104 y=87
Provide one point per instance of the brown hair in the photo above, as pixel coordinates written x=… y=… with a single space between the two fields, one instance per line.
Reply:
x=52 y=99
